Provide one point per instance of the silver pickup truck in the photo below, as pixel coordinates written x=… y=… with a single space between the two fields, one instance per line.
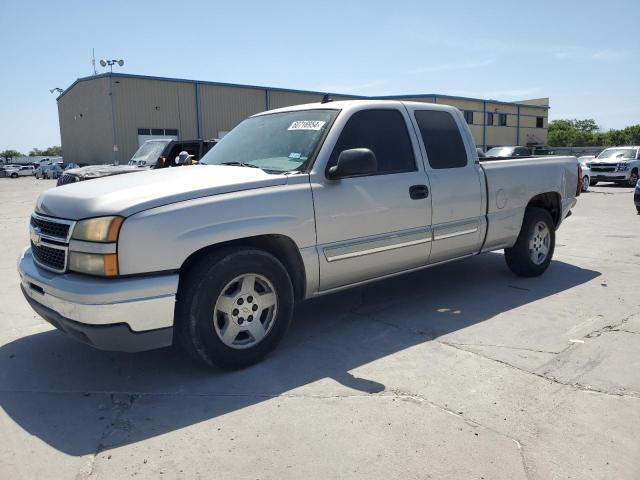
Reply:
x=291 y=204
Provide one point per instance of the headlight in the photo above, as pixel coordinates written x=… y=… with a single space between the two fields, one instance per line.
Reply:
x=102 y=229
x=93 y=249
x=622 y=167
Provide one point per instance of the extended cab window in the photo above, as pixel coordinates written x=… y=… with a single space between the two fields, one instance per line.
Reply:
x=384 y=132
x=442 y=139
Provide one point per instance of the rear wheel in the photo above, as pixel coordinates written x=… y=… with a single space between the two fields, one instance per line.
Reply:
x=533 y=250
x=234 y=307
x=14 y=175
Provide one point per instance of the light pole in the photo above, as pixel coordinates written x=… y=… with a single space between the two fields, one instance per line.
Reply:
x=111 y=63
x=56 y=90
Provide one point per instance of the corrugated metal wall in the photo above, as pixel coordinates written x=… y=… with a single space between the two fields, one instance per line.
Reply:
x=222 y=108
x=140 y=103
x=86 y=129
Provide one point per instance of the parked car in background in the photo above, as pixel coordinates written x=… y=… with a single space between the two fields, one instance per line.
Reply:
x=54 y=171
x=586 y=171
x=292 y=204
x=41 y=170
x=145 y=158
x=19 y=171
x=508 y=152
x=616 y=164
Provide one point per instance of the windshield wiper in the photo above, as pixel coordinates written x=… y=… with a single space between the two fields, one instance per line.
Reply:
x=240 y=164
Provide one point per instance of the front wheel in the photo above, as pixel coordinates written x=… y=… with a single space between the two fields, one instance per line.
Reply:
x=533 y=250
x=14 y=175
x=234 y=307
x=585 y=183
x=633 y=178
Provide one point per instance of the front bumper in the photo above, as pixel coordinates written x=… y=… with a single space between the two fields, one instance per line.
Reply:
x=123 y=314
x=610 y=176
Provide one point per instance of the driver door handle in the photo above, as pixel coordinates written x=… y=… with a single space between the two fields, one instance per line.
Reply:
x=418 y=192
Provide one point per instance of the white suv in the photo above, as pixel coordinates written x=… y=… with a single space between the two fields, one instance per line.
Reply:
x=20 y=171
x=616 y=164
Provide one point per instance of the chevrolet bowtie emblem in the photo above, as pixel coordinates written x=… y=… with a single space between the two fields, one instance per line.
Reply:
x=35 y=236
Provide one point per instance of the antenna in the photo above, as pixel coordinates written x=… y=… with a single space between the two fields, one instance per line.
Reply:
x=327 y=98
x=93 y=61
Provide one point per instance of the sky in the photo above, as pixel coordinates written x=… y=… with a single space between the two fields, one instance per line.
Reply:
x=584 y=55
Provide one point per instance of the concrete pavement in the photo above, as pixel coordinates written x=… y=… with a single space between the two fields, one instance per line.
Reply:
x=460 y=371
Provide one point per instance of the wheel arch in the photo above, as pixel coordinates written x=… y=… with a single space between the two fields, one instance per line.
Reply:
x=551 y=202
x=280 y=246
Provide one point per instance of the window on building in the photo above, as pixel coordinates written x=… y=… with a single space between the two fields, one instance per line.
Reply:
x=442 y=140
x=502 y=119
x=539 y=122
x=171 y=131
x=468 y=116
x=384 y=132
x=489 y=118
x=157 y=131
x=144 y=131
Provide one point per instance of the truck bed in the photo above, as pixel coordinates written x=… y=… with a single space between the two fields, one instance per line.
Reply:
x=507 y=199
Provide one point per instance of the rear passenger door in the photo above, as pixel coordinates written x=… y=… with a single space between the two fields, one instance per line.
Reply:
x=457 y=184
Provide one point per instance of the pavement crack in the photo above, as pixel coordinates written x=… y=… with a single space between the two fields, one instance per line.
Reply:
x=504 y=346
x=470 y=421
x=120 y=404
x=576 y=386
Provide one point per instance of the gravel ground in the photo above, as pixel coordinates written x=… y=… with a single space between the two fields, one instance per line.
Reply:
x=460 y=371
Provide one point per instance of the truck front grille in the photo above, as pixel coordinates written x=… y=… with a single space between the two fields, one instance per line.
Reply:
x=603 y=167
x=65 y=179
x=54 y=258
x=51 y=228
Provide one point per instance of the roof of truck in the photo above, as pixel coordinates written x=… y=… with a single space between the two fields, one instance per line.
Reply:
x=346 y=104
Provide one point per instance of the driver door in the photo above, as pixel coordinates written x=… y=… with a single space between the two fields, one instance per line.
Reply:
x=371 y=226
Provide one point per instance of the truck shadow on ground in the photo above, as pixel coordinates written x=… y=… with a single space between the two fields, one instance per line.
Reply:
x=81 y=401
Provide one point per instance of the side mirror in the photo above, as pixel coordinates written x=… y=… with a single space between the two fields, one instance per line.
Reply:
x=353 y=163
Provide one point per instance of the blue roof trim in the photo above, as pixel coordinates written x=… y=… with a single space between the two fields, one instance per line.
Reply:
x=291 y=90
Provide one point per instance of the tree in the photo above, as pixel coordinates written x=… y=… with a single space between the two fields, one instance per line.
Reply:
x=55 y=151
x=587 y=133
x=10 y=154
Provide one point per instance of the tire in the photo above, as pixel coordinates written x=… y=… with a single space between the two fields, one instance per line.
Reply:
x=536 y=236
x=14 y=175
x=585 y=183
x=633 y=178
x=209 y=310
x=593 y=183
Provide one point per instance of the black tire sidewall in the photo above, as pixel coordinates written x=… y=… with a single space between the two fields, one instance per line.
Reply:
x=212 y=279
x=518 y=257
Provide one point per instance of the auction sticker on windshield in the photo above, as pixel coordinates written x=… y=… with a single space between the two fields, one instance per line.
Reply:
x=306 y=125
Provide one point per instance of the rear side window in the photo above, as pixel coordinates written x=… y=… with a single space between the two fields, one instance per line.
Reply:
x=384 y=132
x=442 y=139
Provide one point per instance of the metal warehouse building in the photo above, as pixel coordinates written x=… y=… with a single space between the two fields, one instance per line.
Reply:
x=104 y=118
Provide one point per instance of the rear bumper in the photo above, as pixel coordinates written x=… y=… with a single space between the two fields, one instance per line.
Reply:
x=125 y=314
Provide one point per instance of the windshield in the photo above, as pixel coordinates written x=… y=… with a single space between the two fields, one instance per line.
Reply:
x=500 y=152
x=618 y=153
x=276 y=143
x=148 y=153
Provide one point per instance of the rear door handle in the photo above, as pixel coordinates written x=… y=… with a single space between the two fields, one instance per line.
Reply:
x=418 y=192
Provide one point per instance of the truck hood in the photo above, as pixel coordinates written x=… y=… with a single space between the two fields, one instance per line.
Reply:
x=96 y=171
x=128 y=194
